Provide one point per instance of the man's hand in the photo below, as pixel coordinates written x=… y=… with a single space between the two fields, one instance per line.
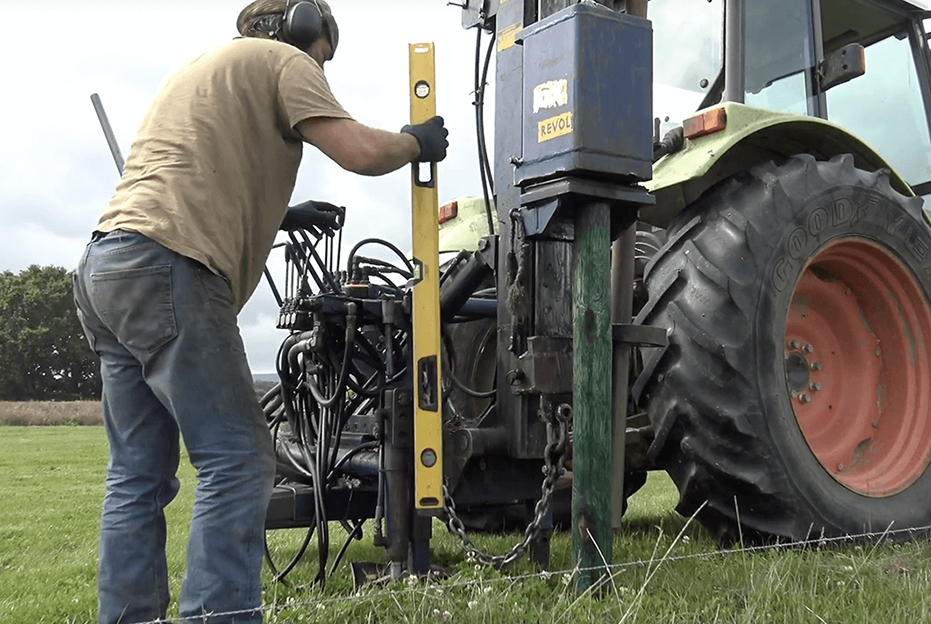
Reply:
x=313 y=214
x=432 y=138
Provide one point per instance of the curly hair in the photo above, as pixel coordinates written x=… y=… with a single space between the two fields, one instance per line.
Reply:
x=266 y=26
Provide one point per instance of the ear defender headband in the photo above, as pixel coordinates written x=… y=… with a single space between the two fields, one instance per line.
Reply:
x=303 y=23
x=300 y=24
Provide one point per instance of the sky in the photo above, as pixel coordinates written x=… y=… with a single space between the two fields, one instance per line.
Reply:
x=57 y=174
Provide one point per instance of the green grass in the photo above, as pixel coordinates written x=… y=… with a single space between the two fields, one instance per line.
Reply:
x=51 y=486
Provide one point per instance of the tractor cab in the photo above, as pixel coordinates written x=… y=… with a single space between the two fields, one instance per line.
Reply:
x=860 y=64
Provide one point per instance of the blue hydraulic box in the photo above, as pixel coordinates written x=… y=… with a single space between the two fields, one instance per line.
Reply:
x=588 y=99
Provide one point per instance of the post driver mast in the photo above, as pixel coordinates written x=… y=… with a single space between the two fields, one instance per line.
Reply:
x=573 y=139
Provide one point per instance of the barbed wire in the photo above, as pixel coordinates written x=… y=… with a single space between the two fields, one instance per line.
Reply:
x=418 y=586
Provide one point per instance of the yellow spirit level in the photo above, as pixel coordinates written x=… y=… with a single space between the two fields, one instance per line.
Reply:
x=428 y=414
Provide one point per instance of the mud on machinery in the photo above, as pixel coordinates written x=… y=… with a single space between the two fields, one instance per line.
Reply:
x=760 y=329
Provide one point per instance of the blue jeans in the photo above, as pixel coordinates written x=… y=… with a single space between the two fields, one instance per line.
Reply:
x=172 y=360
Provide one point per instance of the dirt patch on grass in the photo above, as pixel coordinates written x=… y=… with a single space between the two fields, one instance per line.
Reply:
x=47 y=413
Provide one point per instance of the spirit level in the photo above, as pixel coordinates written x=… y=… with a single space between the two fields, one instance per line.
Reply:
x=428 y=415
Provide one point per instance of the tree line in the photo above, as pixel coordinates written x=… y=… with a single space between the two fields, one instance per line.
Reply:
x=43 y=352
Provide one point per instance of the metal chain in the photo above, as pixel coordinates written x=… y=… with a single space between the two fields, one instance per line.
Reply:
x=554 y=457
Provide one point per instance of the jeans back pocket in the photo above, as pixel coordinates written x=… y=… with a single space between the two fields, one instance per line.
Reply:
x=136 y=305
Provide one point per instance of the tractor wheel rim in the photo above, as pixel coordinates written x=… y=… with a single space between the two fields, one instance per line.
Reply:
x=857 y=367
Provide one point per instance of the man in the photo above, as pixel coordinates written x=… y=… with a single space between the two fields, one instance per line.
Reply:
x=175 y=256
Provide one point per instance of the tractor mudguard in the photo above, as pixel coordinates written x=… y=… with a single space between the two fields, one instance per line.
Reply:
x=751 y=136
x=463 y=223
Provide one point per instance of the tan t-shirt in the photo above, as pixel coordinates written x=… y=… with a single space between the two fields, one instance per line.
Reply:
x=214 y=161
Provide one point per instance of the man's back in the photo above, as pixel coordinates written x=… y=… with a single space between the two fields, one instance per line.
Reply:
x=215 y=158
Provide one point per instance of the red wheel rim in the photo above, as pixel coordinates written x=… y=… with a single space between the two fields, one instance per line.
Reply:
x=858 y=369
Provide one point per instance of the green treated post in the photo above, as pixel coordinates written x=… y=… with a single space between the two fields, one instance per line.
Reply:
x=592 y=374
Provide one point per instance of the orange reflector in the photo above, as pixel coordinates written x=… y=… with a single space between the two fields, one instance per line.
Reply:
x=708 y=122
x=448 y=211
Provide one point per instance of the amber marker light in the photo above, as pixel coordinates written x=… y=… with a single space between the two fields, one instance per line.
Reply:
x=708 y=122
x=448 y=211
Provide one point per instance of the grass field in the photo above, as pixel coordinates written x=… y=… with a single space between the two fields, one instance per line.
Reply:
x=51 y=486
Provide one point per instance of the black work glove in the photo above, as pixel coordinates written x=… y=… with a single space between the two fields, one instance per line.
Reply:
x=432 y=138
x=313 y=214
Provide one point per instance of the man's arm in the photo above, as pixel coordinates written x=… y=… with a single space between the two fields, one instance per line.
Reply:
x=359 y=148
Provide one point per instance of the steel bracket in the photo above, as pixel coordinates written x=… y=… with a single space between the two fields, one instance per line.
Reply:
x=487 y=251
x=400 y=425
x=546 y=366
x=639 y=335
x=477 y=13
x=542 y=202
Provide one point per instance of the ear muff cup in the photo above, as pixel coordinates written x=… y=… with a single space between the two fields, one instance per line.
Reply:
x=303 y=24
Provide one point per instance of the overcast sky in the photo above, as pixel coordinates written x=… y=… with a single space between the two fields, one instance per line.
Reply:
x=56 y=172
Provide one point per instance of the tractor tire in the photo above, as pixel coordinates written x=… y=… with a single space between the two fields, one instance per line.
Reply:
x=472 y=353
x=793 y=400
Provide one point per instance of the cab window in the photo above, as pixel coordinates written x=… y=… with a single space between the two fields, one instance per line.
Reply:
x=688 y=57
x=884 y=106
x=779 y=55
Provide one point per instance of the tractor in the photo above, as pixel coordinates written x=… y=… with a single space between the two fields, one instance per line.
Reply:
x=701 y=247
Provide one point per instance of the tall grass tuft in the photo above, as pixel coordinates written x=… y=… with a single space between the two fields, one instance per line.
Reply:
x=49 y=413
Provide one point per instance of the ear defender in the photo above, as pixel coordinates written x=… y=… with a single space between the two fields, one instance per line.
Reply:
x=303 y=24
